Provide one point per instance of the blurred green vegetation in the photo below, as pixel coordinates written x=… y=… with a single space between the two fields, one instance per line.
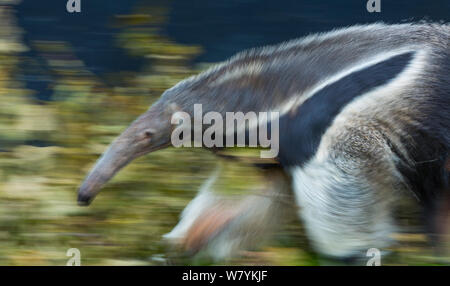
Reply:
x=39 y=217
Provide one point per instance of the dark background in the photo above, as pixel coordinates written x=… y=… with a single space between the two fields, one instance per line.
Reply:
x=221 y=27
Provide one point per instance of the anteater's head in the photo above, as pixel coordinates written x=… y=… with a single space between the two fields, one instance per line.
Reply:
x=149 y=132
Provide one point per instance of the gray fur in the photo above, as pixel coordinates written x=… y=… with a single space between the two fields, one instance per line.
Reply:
x=289 y=69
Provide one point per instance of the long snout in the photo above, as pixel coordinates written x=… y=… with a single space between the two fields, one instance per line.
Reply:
x=114 y=159
x=148 y=133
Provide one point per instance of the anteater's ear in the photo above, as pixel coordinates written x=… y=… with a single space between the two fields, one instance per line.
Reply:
x=172 y=108
x=176 y=114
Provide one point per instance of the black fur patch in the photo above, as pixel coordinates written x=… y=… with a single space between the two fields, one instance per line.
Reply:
x=300 y=134
x=429 y=144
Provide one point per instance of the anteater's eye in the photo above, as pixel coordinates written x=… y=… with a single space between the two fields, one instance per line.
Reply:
x=148 y=134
